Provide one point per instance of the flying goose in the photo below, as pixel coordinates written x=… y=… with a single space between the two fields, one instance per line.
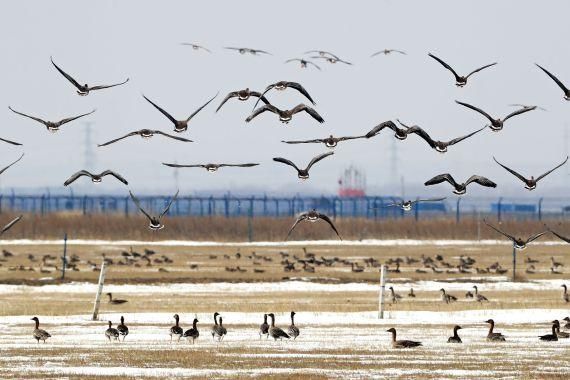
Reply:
x=112 y=333
x=210 y=167
x=517 y=241
x=530 y=184
x=303 y=173
x=447 y=298
x=176 y=330
x=242 y=95
x=264 y=327
x=95 y=178
x=322 y=53
x=243 y=50
x=179 y=125
x=192 y=333
x=38 y=333
x=10 y=224
x=303 y=62
x=293 y=330
x=440 y=146
x=330 y=142
x=114 y=301
x=276 y=332
x=388 y=51
x=460 y=188
x=550 y=337
x=282 y=86
x=496 y=124
x=399 y=133
x=155 y=223
x=460 y=81
x=195 y=46
x=455 y=338
x=494 y=336
x=122 y=328
x=285 y=116
x=145 y=133
x=558 y=82
x=402 y=343
x=407 y=205
x=52 y=126
x=565 y=295
x=478 y=296
x=331 y=59
x=312 y=216
x=84 y=90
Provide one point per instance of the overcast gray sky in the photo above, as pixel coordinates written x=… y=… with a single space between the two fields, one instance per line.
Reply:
x=106 y=41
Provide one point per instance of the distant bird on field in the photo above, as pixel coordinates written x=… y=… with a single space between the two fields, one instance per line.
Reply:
x=388 y=51
x=496 y=124
x=312 y=216
x=176 y=330
x=565 y=295
x=242 y=95
x=243 y=50
x=264 y=327
x=112 y=333
x=460 y=188
x=10 y=224
x=122 y=328
x=478 y=296
x=210 y=167
x=155 y=223
x=285 y=116
x=195 y=46
x=557 y=81
x=494 y=336
x=460 y=81
x=293 y=330
x=530 y=183
x=330 y=142
x=517 y=241
x=402 y=343
x=455 y=338
x=276 y=332
x=96 y=178
x=192 y=333
x=52 y=126
x=303 y=62
x=115 y=301
x=303 y=173
x=38 y=333
x=145 y=134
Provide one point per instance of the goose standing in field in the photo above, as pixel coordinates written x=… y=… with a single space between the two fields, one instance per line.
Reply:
x=264 y=327
x=565 y=295
x=176 y=330
x=285 y=116
x=303 y=173
x=95 y=178
x=518 y=242
x=460 y=188
x=478 y=296
x=155 y=223
x=244 y=50
x=557 y=81
x=123 y=329
x=242 y=95
x=494 y=336
x=550 y=337
x=192 y=333
x=460 y=81
x=496 y=124
x=411 y=294
x=330 y=142
x=312 y=216
x=388 y=51
x=560 y=334
x=282 y=86
x=438 y=145
x=293 y=330
x=179 y=125
x=530 y=183
x=407 y=205
x=455 y=338
x=447 y=298
x=276 y=332
x=402 y=343
x=304 y=63
x=112 y=333
x=84 y=90
x=195 y=46
x=395 y=297
x=38 y=333
x=223 y=330
x=10 y=224
x=114 y=301
x=217 y=329
x=399 y=133
x=52 y=126
x=211 y=168
x=145 y=134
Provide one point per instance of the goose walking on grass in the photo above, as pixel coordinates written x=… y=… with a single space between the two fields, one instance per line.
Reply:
x=395 y=297
x=192 y=333
x=179 y=125
x=155 y=222
x=447 y=298
x=518 y=242
x=494 y=336
x=38 y=333
x=115 y=301
x=565 y=295
x=530 y=183
x=550 y=337
x=264 y=327
x=496 y=124
x=478 y=296
x=112 y=333
x=455 y=338
x=402 y=343
x=293 y=330
x=276 y=332
x=176 y=330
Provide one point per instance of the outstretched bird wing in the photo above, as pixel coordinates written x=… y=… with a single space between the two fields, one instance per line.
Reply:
x=518 y=112
x=184 y=166
x=558 y=82
x=481 y=181
x=309 y=110
x=459 y=139
x=169 y=116
x=499 y=231
x=519 y=176
x=201 y=107
x=479 y=69
x=536 y=236
x=169 y=204
x=441 y=178
x=301 y=89
x=329 y=221
x=230 y=95
x=6 y=168
x=137 y=203
x=75 y=176
x=303 y=141
x=9 y=141
x=567 y=240
x=120 y=138
x=386 y=124
x=28 y=116
x=317 y=159
x=172 y=137
x=116 y=175
x=286 y=162
x=260 y=110
x=476 y=109
x=445 y=65
x=67 y=120
x=551 y=170
x=299 y=219
x=101 y=87
x=67 y=76
x=423 y=134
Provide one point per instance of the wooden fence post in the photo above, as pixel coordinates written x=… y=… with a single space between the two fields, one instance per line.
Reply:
x=381 y=295
x=99 y=290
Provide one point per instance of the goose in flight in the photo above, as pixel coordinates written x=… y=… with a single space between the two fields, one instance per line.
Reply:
x=520 y=105
x=179 y=125
x=210 y=167
x=313 y=216
x=52 y=126
x=399 y=133
x=195 y=46
x=517 y=241
x=304 y=63
x=440 y=146
x=388 y=51
x=303 y=173
x=530 y=183
x=282 y=86
x=242 y=95
x=557 y=81
x=497 y=124
x=330 y=142
x=84 y=90
x=95 y=178
x=407 y=205
x=460 y=188
x=460 y=81
x=243 y=50
x=332 y=59
x=285 y=116
x=155 y=223
x=145 y=133
x=7 y=167
x=10 y=224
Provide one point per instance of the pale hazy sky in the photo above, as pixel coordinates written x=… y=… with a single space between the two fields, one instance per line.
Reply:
x=106 y=41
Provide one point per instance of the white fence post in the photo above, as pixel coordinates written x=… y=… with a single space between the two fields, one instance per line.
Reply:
x=381 y=295
x=99 y=290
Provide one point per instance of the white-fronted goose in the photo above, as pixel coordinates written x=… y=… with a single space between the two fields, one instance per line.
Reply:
x=530 y=183
x=322 y=53
x=460 y=188
x=176 y=330
x=38 y=333
x=478 y=296
x=242 y=95
x=243 y=50
x=95 y=178
x=399 y=133
x=394 y=297
x=312 y=216
x=52 y=126
x=10 y=224
x=179 y=125
x=155 y=223
x=211 y=168
x=332 y=60
x=215 y=327
x=496 y=124
x=218 y=330
x=388 y=51
x=407 y=205
x=264 y=327
x=303 y=173
x=439 y=146
x=285 y=116
x=122 y=328
x=195 y=46
x=145 y=134
x=192 y=333
x=115 y=301
x=276 y=332
x=84 y=90
x=293 y=331
x=303 y=62
x=447 y=298
x=557 y=81
x=565 y=295
x=494 y=336
x=455 y=338
x=112 y=333
x=460 y=81
x=550 y=337
x=330 y=142
x=402 y=343
x=282 y=86
x=519 y=243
